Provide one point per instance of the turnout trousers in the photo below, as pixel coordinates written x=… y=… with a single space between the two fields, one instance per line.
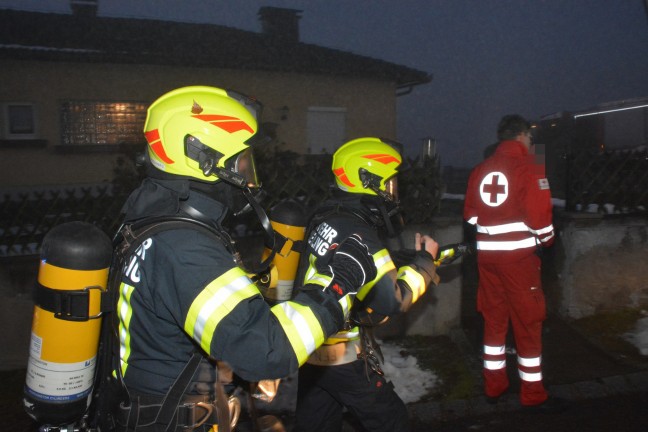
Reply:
x=324 y=391
x=512 y=292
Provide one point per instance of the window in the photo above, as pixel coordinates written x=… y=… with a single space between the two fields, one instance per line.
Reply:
x=102 y=124
x=326 y=129
x=19 y=121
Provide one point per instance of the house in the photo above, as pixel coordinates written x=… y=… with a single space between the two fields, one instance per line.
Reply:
x=613 y=126
x=75 y=87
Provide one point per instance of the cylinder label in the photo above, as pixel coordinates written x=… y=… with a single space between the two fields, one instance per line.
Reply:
x=53 y=381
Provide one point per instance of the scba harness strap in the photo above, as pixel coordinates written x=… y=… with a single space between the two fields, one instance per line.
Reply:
x=143 y=414
x=115 y=408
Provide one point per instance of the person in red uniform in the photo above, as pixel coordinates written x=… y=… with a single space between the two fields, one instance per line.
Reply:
x=508 y=201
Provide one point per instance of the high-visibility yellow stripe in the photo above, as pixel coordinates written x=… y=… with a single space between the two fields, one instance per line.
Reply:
x=311 y=269
x=383 y=261
x=319 y=279
x=125 y=311
x=414 y=280
x=346 y=302
x=302 y=328
x=343 y=336
x=384 y=264
x=215 y=302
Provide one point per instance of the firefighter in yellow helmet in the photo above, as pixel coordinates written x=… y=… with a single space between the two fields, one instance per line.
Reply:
x=183 y=291
x=345 y=372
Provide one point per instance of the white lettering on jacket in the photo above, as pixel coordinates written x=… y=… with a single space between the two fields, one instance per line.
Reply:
x=132 y=271
x=322 y=238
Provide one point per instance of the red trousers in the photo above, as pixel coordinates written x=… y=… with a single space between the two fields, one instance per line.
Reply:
x=512 y=292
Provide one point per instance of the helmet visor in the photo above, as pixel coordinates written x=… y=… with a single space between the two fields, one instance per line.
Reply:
x=243 y=165
x=391 y=187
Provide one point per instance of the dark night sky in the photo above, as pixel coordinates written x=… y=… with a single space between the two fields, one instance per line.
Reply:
x=488 y=57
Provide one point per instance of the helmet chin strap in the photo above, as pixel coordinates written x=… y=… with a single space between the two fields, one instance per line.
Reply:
x=275 y=241
x=386 y=199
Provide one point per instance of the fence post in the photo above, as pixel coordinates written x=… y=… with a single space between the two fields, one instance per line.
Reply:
x=569 y=158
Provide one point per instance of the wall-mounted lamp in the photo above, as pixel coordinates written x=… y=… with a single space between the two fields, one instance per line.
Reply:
x=283 y=112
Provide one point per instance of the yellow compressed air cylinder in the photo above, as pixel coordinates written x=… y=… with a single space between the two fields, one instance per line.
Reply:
x=73 y=273
x=287 y=218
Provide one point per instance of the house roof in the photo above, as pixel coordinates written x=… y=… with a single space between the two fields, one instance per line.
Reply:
x=73 y=37
x=602 y=108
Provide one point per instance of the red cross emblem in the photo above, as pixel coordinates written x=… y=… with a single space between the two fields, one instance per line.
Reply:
x=494 y=189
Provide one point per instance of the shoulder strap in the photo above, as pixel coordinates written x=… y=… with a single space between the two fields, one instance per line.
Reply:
x=176 y=392
x=130 y=236
x=326 y=211
x=125 y=243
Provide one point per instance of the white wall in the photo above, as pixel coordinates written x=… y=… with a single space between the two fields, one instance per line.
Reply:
x=604 y=264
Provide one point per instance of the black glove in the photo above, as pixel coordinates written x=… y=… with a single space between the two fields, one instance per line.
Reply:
x=351 y=266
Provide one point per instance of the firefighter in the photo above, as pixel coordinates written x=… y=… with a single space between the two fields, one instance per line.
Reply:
x=345 y=372
x=508 y=201
x=184 y=292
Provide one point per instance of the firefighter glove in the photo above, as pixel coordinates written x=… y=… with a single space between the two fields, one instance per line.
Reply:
x=351 y=266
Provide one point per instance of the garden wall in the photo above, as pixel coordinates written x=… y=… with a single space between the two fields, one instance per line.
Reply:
x=601 y=263
x=597 y=265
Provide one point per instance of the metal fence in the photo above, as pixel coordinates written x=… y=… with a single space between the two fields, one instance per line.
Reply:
x=609 y=183
x=27 y=215
x=612 y=183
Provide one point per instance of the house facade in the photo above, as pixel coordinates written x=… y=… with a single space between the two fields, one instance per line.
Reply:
x=74 y=88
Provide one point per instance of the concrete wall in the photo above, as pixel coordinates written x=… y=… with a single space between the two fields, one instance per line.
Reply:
x=438 y=311
x=602 y=264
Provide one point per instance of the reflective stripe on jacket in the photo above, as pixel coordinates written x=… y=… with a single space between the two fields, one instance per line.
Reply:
x=182 y=290
x=392 y=291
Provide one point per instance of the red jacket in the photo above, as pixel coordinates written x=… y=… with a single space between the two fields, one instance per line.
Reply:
x=509 y=202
